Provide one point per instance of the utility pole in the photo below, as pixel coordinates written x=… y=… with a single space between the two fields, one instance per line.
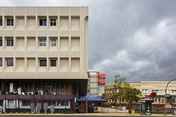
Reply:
x=166 y=93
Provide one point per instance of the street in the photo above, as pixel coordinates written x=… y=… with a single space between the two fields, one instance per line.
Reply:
x=76 y=115
x=60 y=116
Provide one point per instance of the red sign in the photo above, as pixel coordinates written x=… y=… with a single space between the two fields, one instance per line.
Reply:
x=153 y=94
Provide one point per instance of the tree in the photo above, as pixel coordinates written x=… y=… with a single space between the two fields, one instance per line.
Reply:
x=120 y=84
x=124 y=90
x=133 y=93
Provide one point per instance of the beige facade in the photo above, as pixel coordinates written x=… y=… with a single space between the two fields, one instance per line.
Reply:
x=64 y=36
x=44 y=43
x=146 y=88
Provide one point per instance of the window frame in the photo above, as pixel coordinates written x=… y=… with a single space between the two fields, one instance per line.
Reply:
x=52 y=22
x=42 y=42
x=9 y=42
x=42 y=22
x=9 y=22
x=0 y=62
x=42 y=63
x=0 y=22
x=51 y=63
x=1 y=42
x=53 y=42
x=8 y=64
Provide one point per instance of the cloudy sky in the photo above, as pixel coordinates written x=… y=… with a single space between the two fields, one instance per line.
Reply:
x=133 y=38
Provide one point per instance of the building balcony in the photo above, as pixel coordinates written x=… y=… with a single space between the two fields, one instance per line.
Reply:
x=101 y=82
x=102 y=75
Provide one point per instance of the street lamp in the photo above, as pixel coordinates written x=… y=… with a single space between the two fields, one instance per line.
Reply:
x=166 y=93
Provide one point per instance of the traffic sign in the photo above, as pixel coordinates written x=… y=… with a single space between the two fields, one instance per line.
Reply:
x=153 y=94
x=167 y=95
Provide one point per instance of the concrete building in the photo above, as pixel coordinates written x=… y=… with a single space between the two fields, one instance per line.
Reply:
x=44 y=50
x=96 y=82
x=146 y=88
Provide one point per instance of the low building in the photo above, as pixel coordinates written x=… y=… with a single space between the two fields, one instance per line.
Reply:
x=146 y=88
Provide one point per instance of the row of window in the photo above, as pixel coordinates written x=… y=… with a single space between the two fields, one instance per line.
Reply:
x=111 y=90
x=43 y=63
x=56 y=103
x=116 y=100
x=33 y=87
x=143 y=91
x=157 y=91
x=42 y=42
x=42 y=22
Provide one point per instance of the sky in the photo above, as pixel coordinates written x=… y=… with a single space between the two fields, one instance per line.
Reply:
x=133 y=38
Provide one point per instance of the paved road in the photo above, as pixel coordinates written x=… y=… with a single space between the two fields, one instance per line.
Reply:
x=78 y=115
x=61 y=116
x=75 y=115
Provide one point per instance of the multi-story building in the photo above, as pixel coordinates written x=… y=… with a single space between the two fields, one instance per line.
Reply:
x=43 y=50
x=146 y=88
x=96 y=82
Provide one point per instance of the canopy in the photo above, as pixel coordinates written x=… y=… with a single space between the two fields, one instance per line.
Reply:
x=91 y=98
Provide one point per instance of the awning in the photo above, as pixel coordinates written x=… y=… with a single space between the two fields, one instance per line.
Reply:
x=91 y=98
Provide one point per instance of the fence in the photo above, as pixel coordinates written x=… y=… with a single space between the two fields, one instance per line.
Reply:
x=21 y=103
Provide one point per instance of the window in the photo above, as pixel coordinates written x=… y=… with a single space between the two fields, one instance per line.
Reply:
x=160 y=91
x=42 y=42
x=143 y=90
x=43 y=63
x=10 y=42
x=0 y=62
x=117 y=90
x=52 y=22
x=9 y=22
x=53 y=62
x=25 y=103
x=43 y=22
x=53 y=42
x=146 y=91
x=0 y=22
x=153 y=90
x=66 y=88
x=63 y=103
x=156 y=91
x=9 y=62
x=1 y=42
x=62 y=88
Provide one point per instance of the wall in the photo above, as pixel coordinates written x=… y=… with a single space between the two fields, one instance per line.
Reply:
x=70 y=52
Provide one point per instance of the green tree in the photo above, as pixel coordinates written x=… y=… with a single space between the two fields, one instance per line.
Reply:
x=124 y=90
x=120 y=84
x=133 y=93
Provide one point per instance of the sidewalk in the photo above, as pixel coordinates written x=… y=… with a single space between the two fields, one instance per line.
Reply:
x=88 y=114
